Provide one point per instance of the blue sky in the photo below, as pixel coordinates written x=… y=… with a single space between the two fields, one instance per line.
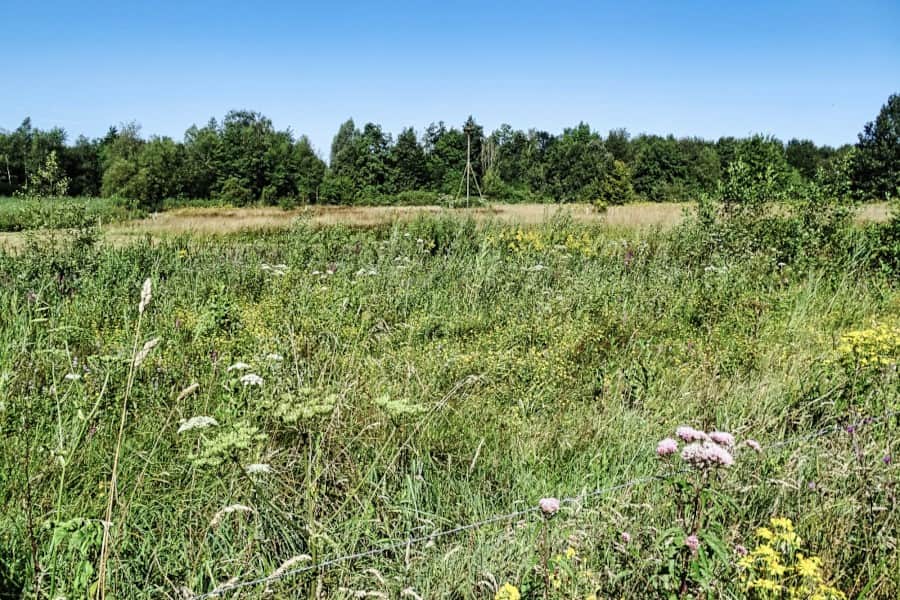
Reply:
x=815 y=70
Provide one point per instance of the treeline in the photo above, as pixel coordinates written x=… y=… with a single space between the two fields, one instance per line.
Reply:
x=243 y=159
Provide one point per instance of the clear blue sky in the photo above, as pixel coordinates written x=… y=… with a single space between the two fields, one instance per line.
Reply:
x=815 y=70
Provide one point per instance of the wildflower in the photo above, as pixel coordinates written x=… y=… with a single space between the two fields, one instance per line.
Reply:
x=549 y=506
x=238 y=366
x=217 y=518
x=689 y=434
x=251 y=379
x=705 y=455
x=693 y=543
x=666 y=447
x=274 y=357
x=887 y=459
x=196 y=423
x=188 y=391
x=808 y=567
x=145 y=351
x=741 y=550
x=782 y=523
x=146 y=295
x=626 y=537
x=507 y=591
x=754 y=445
x=570 y=552
x=72 y=377
x=723 y=438
x=258 y=469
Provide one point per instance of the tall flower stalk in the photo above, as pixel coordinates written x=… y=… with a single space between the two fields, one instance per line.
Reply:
x=137 y=358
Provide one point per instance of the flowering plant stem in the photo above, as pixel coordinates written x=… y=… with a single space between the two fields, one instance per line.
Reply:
x=107 y=523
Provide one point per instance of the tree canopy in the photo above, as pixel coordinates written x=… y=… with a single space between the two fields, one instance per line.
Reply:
x=244 y=159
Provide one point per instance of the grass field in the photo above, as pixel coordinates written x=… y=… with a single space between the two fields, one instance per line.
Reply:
x=319 y=389
x=216 y=220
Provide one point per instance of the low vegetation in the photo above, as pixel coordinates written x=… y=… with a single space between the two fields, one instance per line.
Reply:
x=184 y=415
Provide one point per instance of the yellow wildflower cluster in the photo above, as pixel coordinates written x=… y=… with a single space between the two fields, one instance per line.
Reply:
x=874 y=347
x=777 y=568
x=507 y=592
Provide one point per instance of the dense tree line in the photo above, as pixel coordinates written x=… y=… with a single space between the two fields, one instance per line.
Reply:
x=243 y=159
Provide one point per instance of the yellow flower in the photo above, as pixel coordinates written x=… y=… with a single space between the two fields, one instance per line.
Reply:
x=508 y=592
x=764 y=533
x=570 y=552
x=782 y=523
x=808 y=567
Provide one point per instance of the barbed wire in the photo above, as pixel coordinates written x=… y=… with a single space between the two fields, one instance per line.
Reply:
x=850 y=428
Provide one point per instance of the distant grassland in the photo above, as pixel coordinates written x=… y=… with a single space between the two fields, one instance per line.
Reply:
x=121 y=223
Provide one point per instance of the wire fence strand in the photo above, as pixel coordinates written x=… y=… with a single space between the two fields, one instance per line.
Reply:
x=849 y=428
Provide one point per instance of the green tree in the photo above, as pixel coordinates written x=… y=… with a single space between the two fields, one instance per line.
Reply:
x=407 y=162
x=150 y=177
x=577 y=164
x=616 y=186
x=48 y=181
x=804 y=156
x=876 y=169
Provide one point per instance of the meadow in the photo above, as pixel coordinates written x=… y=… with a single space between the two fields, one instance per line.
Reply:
x=183 y=414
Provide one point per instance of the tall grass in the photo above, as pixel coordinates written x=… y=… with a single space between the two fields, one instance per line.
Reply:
x=420 y=376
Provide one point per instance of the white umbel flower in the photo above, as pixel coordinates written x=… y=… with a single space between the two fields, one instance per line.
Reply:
x=274 y=357
x=252 y=379
x=72 y=377
x=238 y=366
x=258 y=469
x=146 y=295
x=199 y=422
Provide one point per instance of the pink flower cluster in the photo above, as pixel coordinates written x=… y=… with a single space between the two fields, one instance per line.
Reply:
x=702 y=450
x=689 y=434
x=666 y=447
x=549 y=506
x=722 y=438
x=705 y=455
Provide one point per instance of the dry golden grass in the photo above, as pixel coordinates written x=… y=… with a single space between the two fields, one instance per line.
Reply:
x=217 y=221
x=231 y=220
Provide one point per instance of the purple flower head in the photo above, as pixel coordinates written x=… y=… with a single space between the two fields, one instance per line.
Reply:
x=689 y=434
x=811 y=485
x=755 y=445
x=626 y=537
x=887 y=459
x=705 y=455
x=667 y=447
x=723 y=438
x=850 y=428
x=692 y=542
x=549 y=506
x=741 y=550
